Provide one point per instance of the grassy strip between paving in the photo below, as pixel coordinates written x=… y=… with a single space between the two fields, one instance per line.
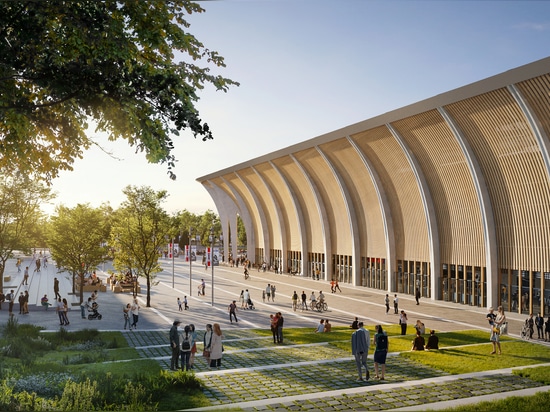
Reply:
x=40 y=365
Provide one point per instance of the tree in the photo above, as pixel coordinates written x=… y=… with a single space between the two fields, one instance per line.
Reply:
x=66 y=63
x=20 y=200
x=77 y=239
x=140 y=229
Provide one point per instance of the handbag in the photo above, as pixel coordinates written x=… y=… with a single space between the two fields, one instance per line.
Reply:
x=206 y=353
x=504 y=328
x=496 y=330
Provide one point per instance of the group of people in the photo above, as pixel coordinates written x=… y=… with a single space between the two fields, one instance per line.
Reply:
x=183 y=343
x=276 y=324
x=360 y=344
x=419 y=343
x=131 y=314
x=269 y=292
x=497 y=321
x=543 y=328
x=324 y=326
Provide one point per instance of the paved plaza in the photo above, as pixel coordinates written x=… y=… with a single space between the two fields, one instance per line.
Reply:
x=255 y=374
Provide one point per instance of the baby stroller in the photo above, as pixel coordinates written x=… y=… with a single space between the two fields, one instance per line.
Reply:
x=95 y=314
x=525 y=332
x=250 y=304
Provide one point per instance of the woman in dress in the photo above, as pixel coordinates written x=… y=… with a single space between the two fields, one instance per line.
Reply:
x=495 y=331
x=216 y=347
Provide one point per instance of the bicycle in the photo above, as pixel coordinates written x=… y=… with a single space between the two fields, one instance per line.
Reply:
x=319 y=306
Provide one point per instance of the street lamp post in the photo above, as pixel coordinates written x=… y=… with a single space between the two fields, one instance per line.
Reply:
x=190 y=264
x=212 y=261
x=173 y=263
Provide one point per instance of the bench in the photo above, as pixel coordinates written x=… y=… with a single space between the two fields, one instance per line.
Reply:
x=125 y=288
x=92 y=288
x=7 y=278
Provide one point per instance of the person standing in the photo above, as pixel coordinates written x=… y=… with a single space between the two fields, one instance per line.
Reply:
x=203 y=287
x=56 y=288
x=417 y=296
x=531 y=324
x=216 y=347
x=547 y=330
x=380 y=351
x=26 y=303
x=495 y=330
x=135 y=314
x=304 y=300
x=194 y=346
x=403 y=322
x=232 y=308
x=207 y=342
x=273 y=288
x=186 y=345
x=280 y=322
x=539 y=322
x=26 y=276
x=387 y=303
x=268 y=291
x=360 y=340
x=21 y=302
x=18 y=265
x=174 y=345
x=273 y=326
x=396 y=304
x=10 y=297
x=294 y=301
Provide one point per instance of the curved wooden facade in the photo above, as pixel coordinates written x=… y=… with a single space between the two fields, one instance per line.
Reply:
x=450 y=195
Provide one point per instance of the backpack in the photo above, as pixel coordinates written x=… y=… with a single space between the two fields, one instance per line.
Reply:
x=185 y=344
x=381 y=342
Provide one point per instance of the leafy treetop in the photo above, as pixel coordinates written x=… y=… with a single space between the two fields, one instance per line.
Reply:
x=66 y=63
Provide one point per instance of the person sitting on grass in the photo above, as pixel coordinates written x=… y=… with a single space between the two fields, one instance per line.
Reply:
x=418 y=342
x=433 y=341
x=328 y=326
x=320 y=327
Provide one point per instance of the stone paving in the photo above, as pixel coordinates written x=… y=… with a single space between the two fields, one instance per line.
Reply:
x=257 y=375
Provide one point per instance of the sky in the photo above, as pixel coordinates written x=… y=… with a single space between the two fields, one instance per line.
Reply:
x=309 y=67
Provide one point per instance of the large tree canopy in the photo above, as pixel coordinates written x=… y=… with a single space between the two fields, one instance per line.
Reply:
x=64 y=64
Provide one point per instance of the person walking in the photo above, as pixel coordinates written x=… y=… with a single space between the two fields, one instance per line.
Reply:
x=135 y=314
x=216 y=347
x=18 y=265
x=232 y=308
x=417 y=296
x=360 y=341
x=337 y=286
x=185 y=303
x=273 y=289
x=531 y=324
x=268 y=291
x=403 y=322
x=26 y=276
x=59 y=310
x=304 y=300
x=396 y=304
x=273 y=326
x=547 y=330
x=186 y=345
x=174 y=344
x=495 y=330
x=380 y=351
x=241 y=299
x=56 y=288
x=203 y=287
x=126 y=311
x=66 y=311
x=387 y=303
x=180 y=307
x=294 y=301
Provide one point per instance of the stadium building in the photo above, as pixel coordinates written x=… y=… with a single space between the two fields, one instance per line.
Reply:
x=449 y=195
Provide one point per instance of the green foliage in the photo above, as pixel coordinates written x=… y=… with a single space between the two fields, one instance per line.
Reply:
x=540 y=374
x=20 y=200
x=77 y=396
x=64 y=64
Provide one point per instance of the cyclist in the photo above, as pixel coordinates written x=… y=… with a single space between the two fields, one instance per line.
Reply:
x=321 y=297
x=313 y=300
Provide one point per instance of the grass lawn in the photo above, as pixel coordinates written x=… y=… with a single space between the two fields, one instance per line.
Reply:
x=107 y=355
